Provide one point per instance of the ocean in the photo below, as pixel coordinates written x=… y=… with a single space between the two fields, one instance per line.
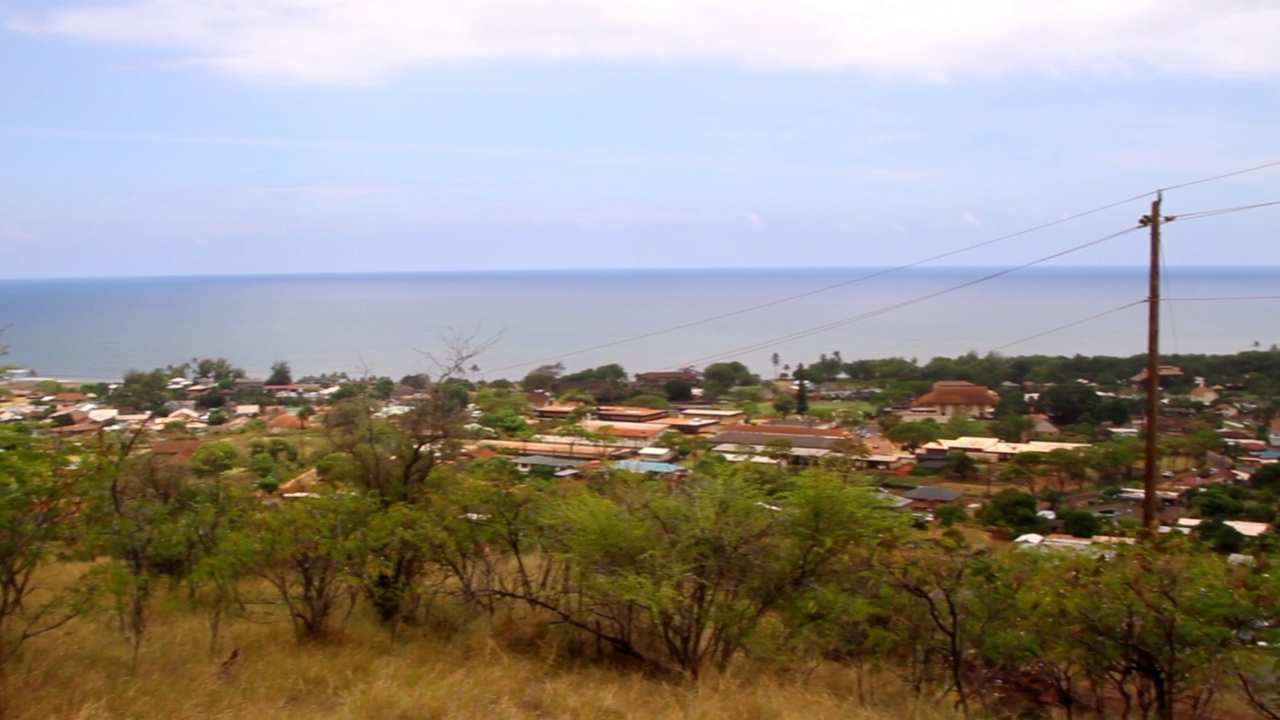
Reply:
x=390 y=324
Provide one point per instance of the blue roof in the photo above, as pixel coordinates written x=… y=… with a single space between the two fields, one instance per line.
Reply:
x=644 y=466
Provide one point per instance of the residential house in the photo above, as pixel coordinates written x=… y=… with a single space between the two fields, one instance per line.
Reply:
x=660 y=378
x=560 y=467
x=1203 y=394
x=177 y=450
x=1168 y=374
x=928 y=497
x=725 y=417
x=622 y=413
x=688 y=425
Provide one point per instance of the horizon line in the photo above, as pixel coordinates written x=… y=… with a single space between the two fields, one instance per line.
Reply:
x=611 y=270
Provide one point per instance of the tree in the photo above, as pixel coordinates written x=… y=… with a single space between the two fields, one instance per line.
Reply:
x=1113 y=461
x=914 y=434
x=542 y=377
x=678 y=390
x=1068 y=464
x=505 y=420
x=683 y=576
x=779 y=449
x=784 y=404
x=40 y=488
x=647 y=400
x=311 y=554
x=802 y=390
x=1156 y=622
x=1015 y=510
x=1266 y=477
x=962 y=602
x=1012 y=428
x=1080 y=523
x=775 y=361
x=219 y=369
x=281 y=374
x=214 y=458
x=961 y=465
x=1070 y=403
x=395 y=461
x=729 y=374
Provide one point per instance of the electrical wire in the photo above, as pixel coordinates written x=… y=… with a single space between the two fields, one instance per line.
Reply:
x=827 y=288
x=1221 y=299
x=1069 y=325
x=905 y=303
x=917 y=263
x=1224 y=211
x=1233 y=173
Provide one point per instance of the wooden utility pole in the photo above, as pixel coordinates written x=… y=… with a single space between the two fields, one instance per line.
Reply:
x=1152 y=455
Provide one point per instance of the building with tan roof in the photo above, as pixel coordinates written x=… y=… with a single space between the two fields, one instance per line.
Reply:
x=950 y=398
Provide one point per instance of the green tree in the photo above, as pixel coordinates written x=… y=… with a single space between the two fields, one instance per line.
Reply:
x=1157 y=624
x=1070 y=403
x=542 y=377
x=729 y=374
x=961 y=465
x=312 y=554
x=1012 y=428
x=1015 y=510
x=784 y=404
x=395 y=461
x=912 y=435
x=214 y=458
x=281 y=374
x=647 y=400
x=217 y=369
x=678 y=390
x=802 y=390
x=684 y=575
x=506 y=421
x=40 y=488
x=1080 y=523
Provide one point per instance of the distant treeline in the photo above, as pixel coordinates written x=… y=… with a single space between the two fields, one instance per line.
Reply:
x=1256 y=371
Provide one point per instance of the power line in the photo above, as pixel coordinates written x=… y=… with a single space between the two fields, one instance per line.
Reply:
x=899 y=268
x=1069 y=325
x=1233 y=173
x=1221 y=299
x=905 y=303
x=1224 y=211
x=827 y=288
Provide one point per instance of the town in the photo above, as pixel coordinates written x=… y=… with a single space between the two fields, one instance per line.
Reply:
x=1040 y=462
x=966 y=529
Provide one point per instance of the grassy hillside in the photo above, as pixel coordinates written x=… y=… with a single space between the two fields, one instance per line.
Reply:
x=84 y=672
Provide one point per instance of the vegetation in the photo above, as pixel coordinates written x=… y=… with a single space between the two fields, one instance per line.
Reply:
x=734 y=572
x=412 y=580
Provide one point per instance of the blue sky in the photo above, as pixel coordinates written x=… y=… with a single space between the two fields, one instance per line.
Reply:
x=170 y=137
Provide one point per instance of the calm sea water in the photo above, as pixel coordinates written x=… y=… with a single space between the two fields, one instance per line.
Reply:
x=99 y=328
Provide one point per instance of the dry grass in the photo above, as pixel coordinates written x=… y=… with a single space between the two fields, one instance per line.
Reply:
x=84 y=672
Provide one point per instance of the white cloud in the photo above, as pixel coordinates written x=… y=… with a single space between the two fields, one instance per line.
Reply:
x=327 y=192
x=889 y=172
x=358 y=42
x=968 y=218
x=585 y=217
x=755 y=220
x=13 y=232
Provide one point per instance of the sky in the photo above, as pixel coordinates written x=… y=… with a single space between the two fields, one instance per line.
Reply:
x=174 y=137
